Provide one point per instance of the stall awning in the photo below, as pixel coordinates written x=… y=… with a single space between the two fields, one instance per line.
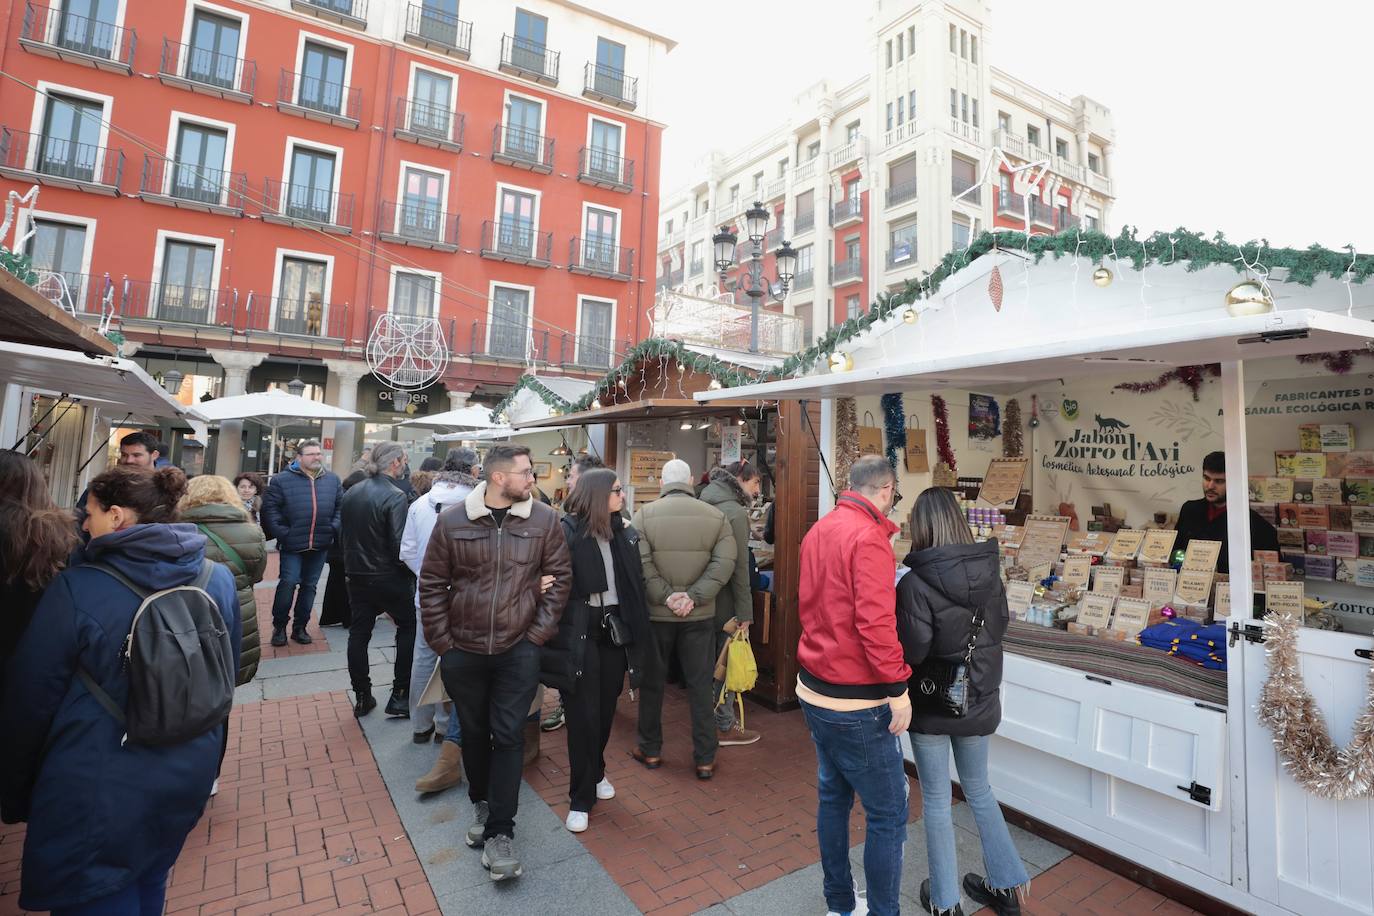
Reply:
x=28 y=318
x=650 y=409
x=118 y=385
x=1163 y=345
x=498 y=434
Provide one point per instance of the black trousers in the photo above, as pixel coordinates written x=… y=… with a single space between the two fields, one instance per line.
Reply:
x=589 y=713
x=368 y=598
x=693 y=645
x=335 y=609
x=492 y=695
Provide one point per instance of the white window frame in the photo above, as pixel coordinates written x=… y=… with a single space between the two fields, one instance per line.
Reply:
x=504 y=186
x=619 y=220
x=28 y=215
x=328 y=41
x=159 y=253
x=491 y=308
x=200 y=5
x=281 y=255
x=577 y=331
x=435 y=275
x=451 y=75
x=401 y=187
x=543 y=113
x=338 y=151
x=179 y=118
x=624 y=137
x=40 y=108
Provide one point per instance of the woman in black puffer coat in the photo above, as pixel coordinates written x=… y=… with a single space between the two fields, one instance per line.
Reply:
x=952 y=583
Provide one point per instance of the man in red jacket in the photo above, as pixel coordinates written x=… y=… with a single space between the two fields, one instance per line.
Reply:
x=852 y=685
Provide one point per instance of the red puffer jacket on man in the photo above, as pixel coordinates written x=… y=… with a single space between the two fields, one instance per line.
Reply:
x=848 y=605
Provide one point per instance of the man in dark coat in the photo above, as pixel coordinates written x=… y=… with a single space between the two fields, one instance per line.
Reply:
x=301 y=510
x=1205 y=519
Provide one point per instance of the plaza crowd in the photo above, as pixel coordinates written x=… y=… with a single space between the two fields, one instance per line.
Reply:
x=495 y=596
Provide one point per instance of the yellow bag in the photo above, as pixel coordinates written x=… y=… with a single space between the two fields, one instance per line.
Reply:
x=741 y=672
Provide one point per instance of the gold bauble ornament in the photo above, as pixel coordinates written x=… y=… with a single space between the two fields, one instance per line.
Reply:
x=1102 y=277
x=1248 y=298
x=909 y=315
x=841 y=362
x=715 y=385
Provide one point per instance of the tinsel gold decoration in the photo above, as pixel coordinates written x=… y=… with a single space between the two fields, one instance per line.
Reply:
x=1012 y=446
x=846 y=440
x=1300 y=734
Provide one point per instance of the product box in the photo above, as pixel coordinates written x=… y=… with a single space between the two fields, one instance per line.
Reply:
x=1362 y=519
x=1358 y=492
x=1310 y=437
x=1316 y=541
x=1267 y=511
x=1292 y=537
x=1302 y=491
x=1310 y=464
x=1345 y=569
x=1313 y=517
x=1341 y=518
x=1280 y=490
x=1358 y=464
x=1286 y=464
x=1297 y=563
x=1277 y=572
x=1366 y=545
x=1287 y=516
x=1336 y=437
x=1266 y=556
x=1364 y=573
x=1336 y=463
x=1327 y=490
x=1323 y=568
x=1342 y=544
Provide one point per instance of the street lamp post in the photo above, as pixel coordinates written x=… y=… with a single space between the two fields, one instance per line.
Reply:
x=757 y=286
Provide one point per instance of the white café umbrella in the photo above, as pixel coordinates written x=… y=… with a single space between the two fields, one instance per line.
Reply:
x=274 y=408
x=463 y=418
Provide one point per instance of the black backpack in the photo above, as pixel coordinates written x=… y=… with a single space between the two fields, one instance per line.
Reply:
x=180 y=663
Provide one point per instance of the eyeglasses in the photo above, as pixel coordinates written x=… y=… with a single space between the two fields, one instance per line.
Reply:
x=527 y=472
x=617 y=490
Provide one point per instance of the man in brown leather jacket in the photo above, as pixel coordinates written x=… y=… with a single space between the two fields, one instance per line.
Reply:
x=485 y=617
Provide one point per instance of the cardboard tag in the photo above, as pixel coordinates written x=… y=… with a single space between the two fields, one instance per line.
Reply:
x=1107 y=580
x=1158 y=545
x=1019 y=598
x=1132 y=615
x=1159 y=586
x=1194 y=586
x=1202 y=555
x=1095 y=610
x=1284 y=598
x=1126 y=544
x=1077 y=571
x=1222 y=600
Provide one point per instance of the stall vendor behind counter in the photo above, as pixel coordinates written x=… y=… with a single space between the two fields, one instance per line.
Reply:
x=1205 y=519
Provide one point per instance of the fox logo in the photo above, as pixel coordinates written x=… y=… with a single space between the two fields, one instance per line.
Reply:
x=1109 y=422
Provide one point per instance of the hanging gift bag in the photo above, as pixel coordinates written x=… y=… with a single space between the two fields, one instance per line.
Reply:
x=870 y=436
x=917 y=455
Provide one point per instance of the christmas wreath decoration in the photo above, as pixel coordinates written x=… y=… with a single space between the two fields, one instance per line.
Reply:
x=894 y=421
x=943 y=450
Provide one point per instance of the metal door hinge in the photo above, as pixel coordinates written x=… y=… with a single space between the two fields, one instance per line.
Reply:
x=1250 y=632
x=1200 y=794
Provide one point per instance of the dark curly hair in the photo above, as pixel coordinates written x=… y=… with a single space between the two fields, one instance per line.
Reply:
x=36 y=537
x=152 y=494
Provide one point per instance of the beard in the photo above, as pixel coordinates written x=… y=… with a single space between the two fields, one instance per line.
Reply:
x=515 y=492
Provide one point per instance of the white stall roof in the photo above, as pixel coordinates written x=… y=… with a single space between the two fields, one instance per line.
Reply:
x=99 y=381
x=473 y=417
x=498 y=434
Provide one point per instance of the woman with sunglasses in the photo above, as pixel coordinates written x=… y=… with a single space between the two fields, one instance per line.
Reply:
x=603 y=633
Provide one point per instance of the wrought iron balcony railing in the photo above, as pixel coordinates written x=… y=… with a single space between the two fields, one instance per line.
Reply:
x=516 y=243
x=417 y=224
x=309 y=206
x=610 y=85
x=206 y=71
x=438 y=31
x=529 y=59
x=319 y=99
x=58 y=32
x=192 y=186
x=429 y=125
x=525 y=149
x=605 y=169
x=600 y=259
x=52 y=160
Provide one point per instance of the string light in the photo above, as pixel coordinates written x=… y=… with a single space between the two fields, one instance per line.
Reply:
x=1349 y=291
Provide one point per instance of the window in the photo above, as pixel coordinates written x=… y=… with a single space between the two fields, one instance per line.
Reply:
x=734 y=194
x=806 y=209
x=963 y=44
x=902 y=244
x=429 y=104
x=1092 y=218
x=813 y=150
x=668 y=227
x=1003 y=121
x=973 y=48
x=1033 y=135
x=594 y=337
x=184 y=289
x=851 y=132
x=310 y=194
x=603 y=158
x=199 y=170
x=300 y=297
x=598 y=240
x=439 y=21
x=852 y=307
x=889 y=115
x=701 y=205
x=806 y=259
x=322 y=78
x=696 y=254
x=851 y=189
x=422 y=204
x=515 y=229
x=610 y=68
x=901 y=50
x=1094 y=164
x=88 y=27
x=212 y=57
x=529 y=45
x=911 y=39
x=901 y=112
x=71 y=137
x=960 y=235
x=413 y=295
x=963 y=107
x=758 y=182
x=911 y=105
x=975 y=112
x=510 y=322
x=852 y=249
x=889 y=52
x=524 y=129
x=804 y=313
x=1004 y=183
x=60 y=248
x=901 y=180
x=954 y=103
x=782 y=167
x=1061 y=148
x=953 y=39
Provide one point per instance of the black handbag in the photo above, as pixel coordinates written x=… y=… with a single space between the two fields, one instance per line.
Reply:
x=618 y=630
x=942 y=687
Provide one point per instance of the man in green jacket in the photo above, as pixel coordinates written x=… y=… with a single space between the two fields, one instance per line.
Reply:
x=732 y=490
x=689 y=555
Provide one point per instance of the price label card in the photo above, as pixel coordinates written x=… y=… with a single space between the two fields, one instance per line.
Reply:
x=1284 y=598
x=1202 y=555
x=1126 y=544
x=1222 y=600
x=1132 y=615
x=1002 y=482
x=1089 y=542
x=1043 y=540
x=1107 y=580
x=1194 y=586
x=1158 y=544
x=1159 y=586
x=1077 y=570
x=1095 y=610
x=1009 y=536
x=1039 y=572
x=1019 y=598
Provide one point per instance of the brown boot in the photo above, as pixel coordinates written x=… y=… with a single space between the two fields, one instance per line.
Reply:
x=531 y=743
x=447 y=771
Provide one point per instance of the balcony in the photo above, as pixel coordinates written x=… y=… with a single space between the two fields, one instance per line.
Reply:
x=524 y=149
x=604 y=169
x=295 y=316
x=82 y=295
x=600 y=259
x=775 y=189
x=418 y=225
x=62 y=163
x=52 y=32
x=901 y=132
x=171 y=303
x=1100 y=183
x=588 y=350
x=528 y=59
x=804 y=279
x=805 y=172
x=846 y=212
x=670 y=279
x=850 y=153
x=1009 y=143
x=850 y=270
x=901 y=193
x=516 y=244
x=207 y=72
x=609 y=85
x=696 y=268
x=1041 y=214
x=302 y=205
x=438 y=31
x=672 y=237
x=1009 y=203
x=429 y=125
x=192 y=187
x=1066 y=220
x=963 y=129
x=772 y=239
x=805 y=222
x=959 y=185
x=352 y=13
x=1069 y=170
x=314 y=98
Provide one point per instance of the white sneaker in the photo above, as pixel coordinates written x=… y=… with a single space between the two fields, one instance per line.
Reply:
x=605 y=790
x=577 y=821
x=860 y=906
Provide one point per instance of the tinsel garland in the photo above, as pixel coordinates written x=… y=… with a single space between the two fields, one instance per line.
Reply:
x=1338 y=361
x=894 y=421
x=1300 y=733
x=943 y=450
x=1191 y=377
x=1012 y=446
x=846 y=440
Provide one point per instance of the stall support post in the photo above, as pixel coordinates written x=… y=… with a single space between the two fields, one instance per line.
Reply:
x=827 y=431
x=1238 y=557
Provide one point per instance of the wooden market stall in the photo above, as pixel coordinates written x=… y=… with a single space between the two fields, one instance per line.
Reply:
x=1125 y=374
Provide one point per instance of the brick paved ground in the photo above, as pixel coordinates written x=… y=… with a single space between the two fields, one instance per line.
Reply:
x=264 y=595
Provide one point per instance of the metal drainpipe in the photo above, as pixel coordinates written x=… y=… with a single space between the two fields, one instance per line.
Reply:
x=643 y=222
x=377 y=185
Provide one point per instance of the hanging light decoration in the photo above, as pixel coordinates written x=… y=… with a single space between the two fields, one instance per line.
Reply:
x=841 y=362
x=1245 y=298
x=1102 y=277
x=686 y=424
x=909 y=315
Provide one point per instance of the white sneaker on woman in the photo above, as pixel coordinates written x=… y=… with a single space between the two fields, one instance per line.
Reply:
x=605 y=790
x=577 y=821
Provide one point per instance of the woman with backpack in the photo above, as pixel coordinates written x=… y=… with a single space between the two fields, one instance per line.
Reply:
x=952 y=612
x=213 y=506
x=108 y=810
x=603 y=633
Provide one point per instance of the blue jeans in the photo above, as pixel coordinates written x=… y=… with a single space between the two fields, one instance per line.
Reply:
x=856 y=753
x=144 y=897
x=1000 y=858
x=422 y=666
x=298 y=569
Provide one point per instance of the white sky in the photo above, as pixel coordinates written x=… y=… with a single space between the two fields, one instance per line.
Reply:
x=1247 y=117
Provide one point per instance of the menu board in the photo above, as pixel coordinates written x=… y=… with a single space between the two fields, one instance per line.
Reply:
x=1126 y=544
x=1159 y=586
x=1043 y=540
x=1002 y=482
x=1132 y=615
x=1107 y=580
x=646 y=466
x=1202 y=555
x=1019 y=598
x=1194 y=586
x=1076 y=571
x=1158 y=544
x=1095 y=610
x=1284 y=598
